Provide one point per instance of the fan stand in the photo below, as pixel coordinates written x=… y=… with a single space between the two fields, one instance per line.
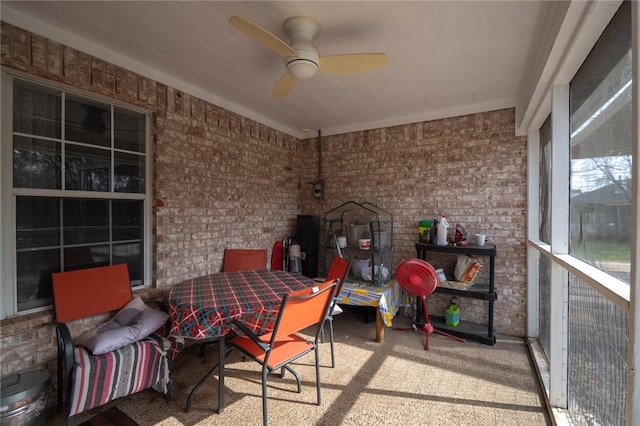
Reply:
x=427 y=327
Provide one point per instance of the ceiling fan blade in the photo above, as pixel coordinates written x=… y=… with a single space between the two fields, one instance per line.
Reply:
x=262 y=36
x=284 y=86
x=352 y=63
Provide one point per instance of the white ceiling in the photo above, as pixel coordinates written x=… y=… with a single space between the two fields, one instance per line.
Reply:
x=445 y=58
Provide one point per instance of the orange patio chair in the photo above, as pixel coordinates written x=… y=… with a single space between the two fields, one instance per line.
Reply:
x=238 y=260
x=338 y=270
x=244 y=260
x=91 y=366
x=299 y=310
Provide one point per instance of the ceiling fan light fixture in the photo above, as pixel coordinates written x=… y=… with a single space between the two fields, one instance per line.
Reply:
x=302 y=68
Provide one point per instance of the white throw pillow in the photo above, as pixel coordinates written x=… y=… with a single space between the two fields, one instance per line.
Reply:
x=132 y=323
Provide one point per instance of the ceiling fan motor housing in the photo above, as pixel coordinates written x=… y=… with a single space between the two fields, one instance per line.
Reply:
x=302 y=30
x=303 y=66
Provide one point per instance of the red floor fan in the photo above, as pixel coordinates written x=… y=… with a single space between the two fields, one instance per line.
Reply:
x=418 y=278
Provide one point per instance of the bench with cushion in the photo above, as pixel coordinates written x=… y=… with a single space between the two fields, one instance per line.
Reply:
x=121 y=357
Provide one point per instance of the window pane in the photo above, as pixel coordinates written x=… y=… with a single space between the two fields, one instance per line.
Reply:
x=544 y=296
x=87 y=122
x=129 y=173
x=545 y=182
x=598 y=345
x=87 y=169
x=601 y=151
x=127 y=220
x=34 y=269
x=36 y=163
x=37 y=222
x=129 y=132
x=131 y=254
x=85 y=221
x=101 y=254
x=36 y=110
x=84 y=257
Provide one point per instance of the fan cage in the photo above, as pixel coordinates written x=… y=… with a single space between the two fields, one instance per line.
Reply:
x=417 y=277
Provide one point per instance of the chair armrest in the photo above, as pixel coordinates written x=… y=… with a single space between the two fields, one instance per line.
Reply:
x=251 y=335
x=332 y=307
x=65 y=358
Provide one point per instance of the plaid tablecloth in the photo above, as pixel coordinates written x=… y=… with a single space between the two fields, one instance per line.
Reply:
x=204 y=307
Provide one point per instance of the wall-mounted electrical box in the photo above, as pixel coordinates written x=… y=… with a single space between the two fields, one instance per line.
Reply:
x=318 y=189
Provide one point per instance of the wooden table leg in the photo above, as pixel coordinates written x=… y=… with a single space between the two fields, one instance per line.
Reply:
x=379 y=327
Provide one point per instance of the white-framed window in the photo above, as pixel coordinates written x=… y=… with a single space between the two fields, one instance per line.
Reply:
x=601 y=163
x=75 y=185
x=585 y=260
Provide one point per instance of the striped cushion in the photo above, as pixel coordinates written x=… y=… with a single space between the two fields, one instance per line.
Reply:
x=98 y=379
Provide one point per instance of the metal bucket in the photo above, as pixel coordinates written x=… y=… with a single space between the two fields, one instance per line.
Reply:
x=24 y=398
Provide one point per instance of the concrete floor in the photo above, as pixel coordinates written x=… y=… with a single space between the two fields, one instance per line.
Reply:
x=395 y=382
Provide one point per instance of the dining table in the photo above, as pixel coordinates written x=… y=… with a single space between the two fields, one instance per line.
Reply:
x=205 y=307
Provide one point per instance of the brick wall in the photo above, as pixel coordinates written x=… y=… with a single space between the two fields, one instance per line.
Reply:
x=471 y=168
x=222 y=180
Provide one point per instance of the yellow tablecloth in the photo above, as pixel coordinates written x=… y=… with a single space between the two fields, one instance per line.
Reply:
x=389 y=298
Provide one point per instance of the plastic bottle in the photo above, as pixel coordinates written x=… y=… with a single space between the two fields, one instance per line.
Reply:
x=434 y=231
x=443 y=224
x=424 y=226
x=452 y=314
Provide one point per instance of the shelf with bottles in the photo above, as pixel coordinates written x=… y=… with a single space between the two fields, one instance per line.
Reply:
x=362 y=233
x=483 y=290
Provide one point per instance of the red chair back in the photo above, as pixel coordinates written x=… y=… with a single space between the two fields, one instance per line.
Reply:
x=244 y=260
x=101 y=289
x=339 y=268
x=303 y=308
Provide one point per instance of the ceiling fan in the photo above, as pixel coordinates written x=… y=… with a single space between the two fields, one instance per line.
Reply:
x=301 y=58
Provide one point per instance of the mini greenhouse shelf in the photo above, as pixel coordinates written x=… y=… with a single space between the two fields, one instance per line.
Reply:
x=346 y=229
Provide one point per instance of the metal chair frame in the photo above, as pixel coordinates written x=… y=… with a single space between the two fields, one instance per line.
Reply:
x=276 y=350
x=338 y=270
